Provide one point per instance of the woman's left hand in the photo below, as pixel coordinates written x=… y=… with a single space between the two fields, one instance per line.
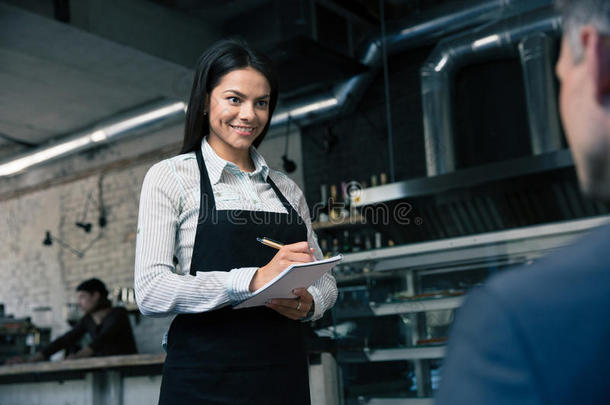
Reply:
x=293 y=308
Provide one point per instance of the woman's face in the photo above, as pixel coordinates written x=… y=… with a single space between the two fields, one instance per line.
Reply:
x=238 y=109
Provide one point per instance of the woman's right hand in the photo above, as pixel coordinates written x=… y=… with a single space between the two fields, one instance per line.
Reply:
x=295 y=253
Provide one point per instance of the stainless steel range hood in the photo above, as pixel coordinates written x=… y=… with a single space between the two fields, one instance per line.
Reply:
x=464 y=178
x=510 y=194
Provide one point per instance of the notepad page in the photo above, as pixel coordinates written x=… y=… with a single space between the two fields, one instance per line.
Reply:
x=300 y=275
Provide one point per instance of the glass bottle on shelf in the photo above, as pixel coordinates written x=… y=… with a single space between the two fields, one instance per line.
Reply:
x=333 y=210
x=383 y=178
x=335 y=249
x=374 y=182
x=357 y=245
x=351 y=196
x=345 y=201
x=324 y=245
x=347 y=246
x=378 y=241
x=368 y=245
x=323 y=213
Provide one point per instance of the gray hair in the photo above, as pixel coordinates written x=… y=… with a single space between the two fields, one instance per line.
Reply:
x=578 y=13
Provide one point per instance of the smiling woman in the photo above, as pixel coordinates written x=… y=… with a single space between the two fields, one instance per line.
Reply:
x=207 y=206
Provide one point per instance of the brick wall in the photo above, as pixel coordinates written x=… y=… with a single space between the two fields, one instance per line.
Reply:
x=36 y=275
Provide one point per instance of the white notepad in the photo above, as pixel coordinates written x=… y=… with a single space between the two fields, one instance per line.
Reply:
x=294 y=276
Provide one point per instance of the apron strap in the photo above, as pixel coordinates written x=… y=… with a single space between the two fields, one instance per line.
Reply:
x=283 y=199
x=205 y=187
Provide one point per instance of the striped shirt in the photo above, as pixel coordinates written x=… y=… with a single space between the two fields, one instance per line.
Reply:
x=167 y=223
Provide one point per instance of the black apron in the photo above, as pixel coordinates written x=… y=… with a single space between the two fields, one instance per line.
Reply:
x=245 y=356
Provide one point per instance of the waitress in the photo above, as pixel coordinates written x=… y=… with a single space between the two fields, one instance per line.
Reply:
x=207 y=206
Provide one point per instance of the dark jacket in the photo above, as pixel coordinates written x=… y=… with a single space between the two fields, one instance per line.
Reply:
x=113 y=336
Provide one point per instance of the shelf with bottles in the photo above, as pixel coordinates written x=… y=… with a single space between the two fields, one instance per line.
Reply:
x=350 y=241
x=396 y=304
x=400 y=316
x=125 y=297
x=351 y=221
x=336 y=208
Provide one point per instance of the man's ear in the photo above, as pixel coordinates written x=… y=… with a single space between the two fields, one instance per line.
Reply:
x=597 y=53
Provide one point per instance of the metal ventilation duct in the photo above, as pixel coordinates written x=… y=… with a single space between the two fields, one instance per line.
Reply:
x=132 y=123
x=425 y=29
x=408 y=34
x=535 y=53
x=495 y=40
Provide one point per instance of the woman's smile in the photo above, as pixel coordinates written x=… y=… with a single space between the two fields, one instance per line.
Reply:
x=243 y=130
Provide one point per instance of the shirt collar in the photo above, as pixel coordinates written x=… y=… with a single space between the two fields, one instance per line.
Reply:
x=217 y=165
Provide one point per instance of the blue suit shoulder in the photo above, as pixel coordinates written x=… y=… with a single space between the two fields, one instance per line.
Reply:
x=536 y=334
x=577 y=270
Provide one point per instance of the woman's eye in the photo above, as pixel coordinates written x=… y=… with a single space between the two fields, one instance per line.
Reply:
x=262 y=103
x=233 y=100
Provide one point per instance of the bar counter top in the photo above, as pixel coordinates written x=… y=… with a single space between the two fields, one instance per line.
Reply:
x=90 y=363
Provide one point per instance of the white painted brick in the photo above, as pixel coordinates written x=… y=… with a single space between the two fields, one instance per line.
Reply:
x=34 y=273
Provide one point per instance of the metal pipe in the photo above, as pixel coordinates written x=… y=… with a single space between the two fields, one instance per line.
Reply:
x=386 y=87
x=535 y=52
x=491 y=41
x=131 y=123
x=407 y=34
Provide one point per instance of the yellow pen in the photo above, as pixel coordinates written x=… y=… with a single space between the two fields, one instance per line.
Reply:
x=270 y=242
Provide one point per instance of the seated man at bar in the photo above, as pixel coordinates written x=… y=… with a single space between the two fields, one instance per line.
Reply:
x=107 y=326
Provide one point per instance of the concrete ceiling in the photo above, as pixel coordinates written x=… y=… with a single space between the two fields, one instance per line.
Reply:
x=55 y=78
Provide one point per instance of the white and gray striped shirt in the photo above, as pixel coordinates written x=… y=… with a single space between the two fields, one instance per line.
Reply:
x=167 y=223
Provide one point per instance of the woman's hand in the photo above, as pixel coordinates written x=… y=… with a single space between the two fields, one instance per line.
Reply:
x=289 y=254
x=293 y=308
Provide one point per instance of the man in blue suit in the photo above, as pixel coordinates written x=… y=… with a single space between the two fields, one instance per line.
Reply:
x=541 y=335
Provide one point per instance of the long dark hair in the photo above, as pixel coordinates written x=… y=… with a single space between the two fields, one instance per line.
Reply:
x=221 y=58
